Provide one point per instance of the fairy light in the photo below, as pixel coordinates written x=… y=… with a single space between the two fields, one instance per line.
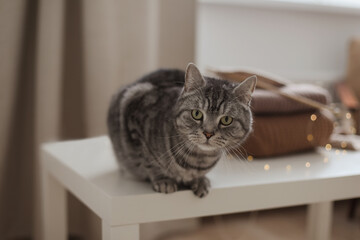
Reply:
x=267 y=167
x=337 y=112
x=307 y=164
x=353 y=130
x=343 y=144
x=313 y=117
x=344 y=152
x=348 y=115
x=337 y=151
x=328 y=147
x=310 y=137
x=250 y=158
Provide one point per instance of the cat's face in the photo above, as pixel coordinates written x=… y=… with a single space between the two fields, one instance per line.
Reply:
x=214 y=114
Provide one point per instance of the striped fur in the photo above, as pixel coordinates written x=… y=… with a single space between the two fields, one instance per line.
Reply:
x=155 y=137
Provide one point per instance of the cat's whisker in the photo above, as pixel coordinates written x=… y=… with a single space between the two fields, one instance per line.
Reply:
x=243 y=150
x=240 y=158
x=227 y=160
x=177 y=148
x=172 y=148
x=175 y=154
x=187 y=153
x=235 y=148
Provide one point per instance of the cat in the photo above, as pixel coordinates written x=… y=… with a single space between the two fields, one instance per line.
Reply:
x=171 y=127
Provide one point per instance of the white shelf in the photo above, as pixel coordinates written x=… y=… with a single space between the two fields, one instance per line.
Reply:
x=88 y=169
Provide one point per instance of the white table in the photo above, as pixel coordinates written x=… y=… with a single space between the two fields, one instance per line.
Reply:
x=88 y=169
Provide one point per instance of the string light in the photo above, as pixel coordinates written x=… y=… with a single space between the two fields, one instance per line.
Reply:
x=328 y=147
x=337 y=111
x=348 y=115
x=353 y=130
x=313 y=117
x=310 y=137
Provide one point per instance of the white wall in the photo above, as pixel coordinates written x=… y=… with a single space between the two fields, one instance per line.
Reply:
x=176 y=44
x=302 y=44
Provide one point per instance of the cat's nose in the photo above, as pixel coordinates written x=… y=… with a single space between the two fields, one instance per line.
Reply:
x=208 y=135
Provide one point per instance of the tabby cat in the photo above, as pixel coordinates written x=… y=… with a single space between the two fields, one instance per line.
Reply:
x=171 y=127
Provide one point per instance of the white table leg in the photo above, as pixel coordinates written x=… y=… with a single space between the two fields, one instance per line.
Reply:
x=54 y=209
x=319 y=219
x=126 y=232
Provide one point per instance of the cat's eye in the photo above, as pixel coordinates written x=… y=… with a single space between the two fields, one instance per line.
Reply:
x=197 y=114
x=226 y=120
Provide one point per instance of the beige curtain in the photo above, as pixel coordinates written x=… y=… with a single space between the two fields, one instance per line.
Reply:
x=60 y=61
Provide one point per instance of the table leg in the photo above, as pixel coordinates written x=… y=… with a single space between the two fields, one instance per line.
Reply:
x=319 y=219
x=54 y=209
x=125 y=232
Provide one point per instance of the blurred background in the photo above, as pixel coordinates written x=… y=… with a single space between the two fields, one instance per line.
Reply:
x=61 y=60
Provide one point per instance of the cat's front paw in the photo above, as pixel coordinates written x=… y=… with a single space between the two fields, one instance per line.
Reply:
x=200 y=187
x=165 y=185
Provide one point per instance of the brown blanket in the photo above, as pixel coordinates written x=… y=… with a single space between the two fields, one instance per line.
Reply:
x=277 y=135
x=266 y=102
x=283 y=125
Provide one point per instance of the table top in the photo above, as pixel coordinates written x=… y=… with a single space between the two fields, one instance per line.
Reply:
x=88 y=168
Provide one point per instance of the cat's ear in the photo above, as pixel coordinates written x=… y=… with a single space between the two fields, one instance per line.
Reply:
x=246 y=88
x=193 y=78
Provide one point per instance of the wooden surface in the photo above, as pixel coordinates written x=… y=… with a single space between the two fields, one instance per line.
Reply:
x=89 y=170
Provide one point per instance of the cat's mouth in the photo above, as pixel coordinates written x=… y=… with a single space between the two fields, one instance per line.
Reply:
x=204 y=144
x=207 y=146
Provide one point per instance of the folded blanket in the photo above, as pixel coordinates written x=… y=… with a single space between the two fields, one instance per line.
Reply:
x=286 y=116
x=277 y=135
x=266 y=102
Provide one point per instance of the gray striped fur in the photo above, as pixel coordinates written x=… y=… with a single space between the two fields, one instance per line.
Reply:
x=155 y=137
